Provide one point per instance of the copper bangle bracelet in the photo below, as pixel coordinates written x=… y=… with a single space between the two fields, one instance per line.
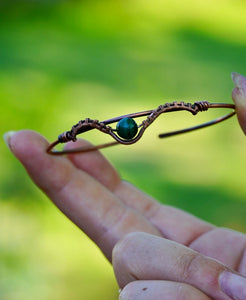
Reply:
x=128 y=132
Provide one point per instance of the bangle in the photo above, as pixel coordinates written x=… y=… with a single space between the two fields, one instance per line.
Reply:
x=128 y=132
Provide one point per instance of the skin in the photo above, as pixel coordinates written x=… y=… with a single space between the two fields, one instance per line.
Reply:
x=157 y=251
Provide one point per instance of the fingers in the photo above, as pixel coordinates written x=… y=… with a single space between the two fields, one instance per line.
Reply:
x=172 y=223
x=216 y=244
x=140 y=256
x=30 y=148
x=95 y=164
x=160 y=289
x=239 y=98
x=88 y=203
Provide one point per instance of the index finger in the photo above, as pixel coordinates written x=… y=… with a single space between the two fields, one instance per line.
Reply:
x=87 y=202
x=85 y=189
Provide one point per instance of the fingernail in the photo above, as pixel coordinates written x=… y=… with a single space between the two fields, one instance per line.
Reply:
x=7 y=137
x=239 y=93
x=238 y=79
x=233 y=285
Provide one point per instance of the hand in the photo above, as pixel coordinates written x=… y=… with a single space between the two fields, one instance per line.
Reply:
x=175 y=252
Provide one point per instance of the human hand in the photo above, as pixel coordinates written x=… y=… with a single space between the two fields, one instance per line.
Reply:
x=90 y=192
x=162 y=268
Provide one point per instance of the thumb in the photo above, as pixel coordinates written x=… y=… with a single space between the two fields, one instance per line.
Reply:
x=239 y=98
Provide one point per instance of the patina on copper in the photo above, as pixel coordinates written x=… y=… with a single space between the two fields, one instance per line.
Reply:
x=89 y=124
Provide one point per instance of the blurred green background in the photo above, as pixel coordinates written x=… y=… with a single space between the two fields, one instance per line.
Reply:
x=62 y=61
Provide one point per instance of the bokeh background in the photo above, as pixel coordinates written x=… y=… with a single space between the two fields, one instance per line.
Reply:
x=62 y=61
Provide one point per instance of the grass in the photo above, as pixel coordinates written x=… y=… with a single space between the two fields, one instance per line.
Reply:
x=60 y=61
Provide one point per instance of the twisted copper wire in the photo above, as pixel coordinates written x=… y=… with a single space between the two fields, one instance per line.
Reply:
x=89 y=124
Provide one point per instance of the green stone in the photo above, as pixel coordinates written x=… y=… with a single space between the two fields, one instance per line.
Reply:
x=127 y=128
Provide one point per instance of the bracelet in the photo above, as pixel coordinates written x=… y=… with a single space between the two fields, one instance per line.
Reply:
x=128 y=132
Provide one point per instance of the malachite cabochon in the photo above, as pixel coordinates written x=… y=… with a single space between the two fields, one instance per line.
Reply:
x=127 y=128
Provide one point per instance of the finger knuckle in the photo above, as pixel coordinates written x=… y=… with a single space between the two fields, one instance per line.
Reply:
x=188 y=265
x=124 y=247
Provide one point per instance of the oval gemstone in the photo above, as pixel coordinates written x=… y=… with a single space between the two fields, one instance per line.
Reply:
x=127 y=128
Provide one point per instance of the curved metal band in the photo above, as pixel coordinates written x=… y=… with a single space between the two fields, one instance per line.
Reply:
x=88 y=124
x=213 y=122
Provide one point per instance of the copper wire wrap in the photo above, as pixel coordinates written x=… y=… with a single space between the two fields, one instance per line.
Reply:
x=89 y=124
